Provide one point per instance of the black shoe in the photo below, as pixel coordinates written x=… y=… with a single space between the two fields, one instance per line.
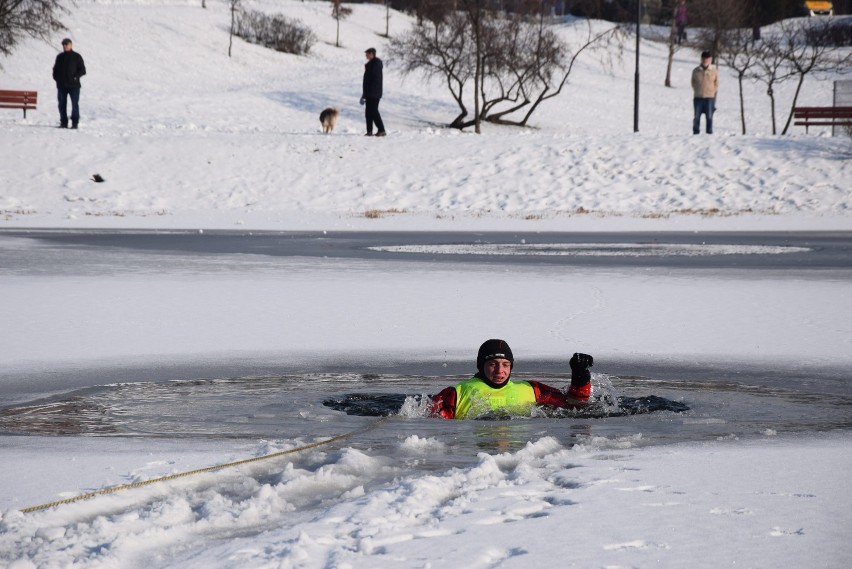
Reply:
x=63 y=125
x=74 y=126
x=381 y=133
x=369 y=134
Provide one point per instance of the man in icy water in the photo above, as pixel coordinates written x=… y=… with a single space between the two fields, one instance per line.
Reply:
x=491 y=391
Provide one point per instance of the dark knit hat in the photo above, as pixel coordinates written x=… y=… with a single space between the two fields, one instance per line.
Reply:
x=370 y=50
x=706 y=55
x=491 y=349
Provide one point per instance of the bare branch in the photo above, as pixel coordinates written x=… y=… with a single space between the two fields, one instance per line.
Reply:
x=28 y=18
x=521 y=61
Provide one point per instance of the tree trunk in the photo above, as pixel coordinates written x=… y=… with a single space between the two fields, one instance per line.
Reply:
x=742 y=102
x=231 y=34
x=458 y=122
x=793 y=106
x=771 y=94
x=337 y=39
x=671 y=49
x=477 y=87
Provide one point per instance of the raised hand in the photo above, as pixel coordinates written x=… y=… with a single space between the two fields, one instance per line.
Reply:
x=580 y=362
x=581 y=377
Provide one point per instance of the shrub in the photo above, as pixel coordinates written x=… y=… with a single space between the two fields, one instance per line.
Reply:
x=834 y=32
x=275 y=31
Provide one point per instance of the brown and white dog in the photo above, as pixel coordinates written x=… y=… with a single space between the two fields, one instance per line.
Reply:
x=328 y=118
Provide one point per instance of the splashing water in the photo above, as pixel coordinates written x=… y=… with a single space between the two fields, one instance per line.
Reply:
x=605 y=394
x=415 y=406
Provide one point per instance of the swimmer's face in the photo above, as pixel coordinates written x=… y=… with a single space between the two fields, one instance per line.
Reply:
x=497 y=370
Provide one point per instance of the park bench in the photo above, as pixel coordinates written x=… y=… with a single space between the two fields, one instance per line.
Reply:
x=25 y=100
x=822 y=116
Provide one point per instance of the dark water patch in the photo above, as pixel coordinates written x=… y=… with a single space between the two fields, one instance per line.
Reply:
x=385 y=405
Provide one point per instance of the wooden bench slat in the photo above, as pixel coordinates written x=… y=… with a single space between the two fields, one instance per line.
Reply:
x=830 y=111
x=822 y=108
x=24 y=100
x=822 y=115
x=828 y=123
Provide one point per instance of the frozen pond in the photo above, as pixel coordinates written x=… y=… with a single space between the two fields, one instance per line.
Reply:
x=310 y=389
x=132 y=356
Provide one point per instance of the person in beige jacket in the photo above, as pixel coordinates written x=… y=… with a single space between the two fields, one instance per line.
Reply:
x=705 y=84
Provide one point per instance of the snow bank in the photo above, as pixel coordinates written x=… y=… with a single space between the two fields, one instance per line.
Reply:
x=601 y=504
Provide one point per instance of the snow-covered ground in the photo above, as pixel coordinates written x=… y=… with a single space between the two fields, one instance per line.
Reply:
x=188 y=138
x=763 y=504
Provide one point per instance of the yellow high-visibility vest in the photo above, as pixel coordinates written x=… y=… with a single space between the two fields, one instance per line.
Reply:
x=475 y=397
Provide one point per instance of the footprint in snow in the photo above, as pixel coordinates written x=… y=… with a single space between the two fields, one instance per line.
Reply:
x=730 y=512
x=637 y=544
x=781 y=532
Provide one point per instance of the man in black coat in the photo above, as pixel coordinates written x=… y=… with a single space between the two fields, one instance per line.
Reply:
x=67 y=70
x=372 y=92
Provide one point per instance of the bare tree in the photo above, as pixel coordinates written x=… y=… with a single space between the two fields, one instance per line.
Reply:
x=520 y=63
x=716 y=17
x=673 y=44
x=537 y=67
x=434 y=10
x=740 y=52
x=28 y=18
x=439 y=48
x=808 y=51
x=339 y=12
x=770 y=69
x=234 y=5
x=387 y=17
x=476 y=15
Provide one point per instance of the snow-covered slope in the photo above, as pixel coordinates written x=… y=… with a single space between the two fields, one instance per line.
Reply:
x=186 y=137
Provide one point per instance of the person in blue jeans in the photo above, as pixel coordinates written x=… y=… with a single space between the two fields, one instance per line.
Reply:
x=67 y=70
x=705 y=85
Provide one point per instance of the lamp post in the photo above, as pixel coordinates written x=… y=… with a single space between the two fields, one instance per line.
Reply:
x=636 y=76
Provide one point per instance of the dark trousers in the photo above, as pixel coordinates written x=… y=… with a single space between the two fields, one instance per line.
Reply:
x=62 y=95
x=373 y=116
x=703 y=107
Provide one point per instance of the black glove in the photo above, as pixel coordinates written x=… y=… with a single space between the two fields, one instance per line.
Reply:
x=580 y=364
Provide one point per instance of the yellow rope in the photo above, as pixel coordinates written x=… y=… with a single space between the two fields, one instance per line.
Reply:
x=113 y=489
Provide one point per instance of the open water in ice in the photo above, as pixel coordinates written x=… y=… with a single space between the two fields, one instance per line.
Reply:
x=643 y=408
x=635 y=410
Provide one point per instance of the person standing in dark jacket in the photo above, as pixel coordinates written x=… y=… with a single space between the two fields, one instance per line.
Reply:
x=67 y=70
x=371 y=93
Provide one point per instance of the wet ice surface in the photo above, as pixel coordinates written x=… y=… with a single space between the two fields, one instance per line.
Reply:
x=314 y=406
x=595 y=249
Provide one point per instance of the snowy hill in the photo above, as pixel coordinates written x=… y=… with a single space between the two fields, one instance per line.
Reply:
x=186 y=137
